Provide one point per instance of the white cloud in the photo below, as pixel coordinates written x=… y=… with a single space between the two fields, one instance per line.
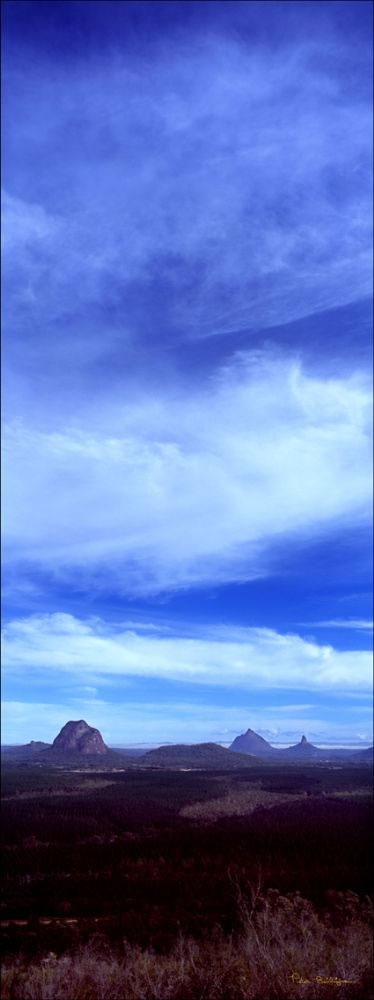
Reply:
x=356 y=624
x=289 y=708
x=25 y=224
x=172 y=492
x=95 y=651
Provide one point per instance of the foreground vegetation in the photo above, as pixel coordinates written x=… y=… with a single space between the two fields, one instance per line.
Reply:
x=282 y=947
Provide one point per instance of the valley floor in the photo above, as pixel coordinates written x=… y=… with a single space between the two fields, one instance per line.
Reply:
x=175 y=885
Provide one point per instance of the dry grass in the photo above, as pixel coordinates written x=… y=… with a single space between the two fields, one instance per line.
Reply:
x=238 y=802
x=282 y=940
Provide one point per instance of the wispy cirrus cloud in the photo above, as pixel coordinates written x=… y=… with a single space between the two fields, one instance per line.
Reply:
x=222 y=190
x=355 y=624
x=25 y=225
x=192 y=490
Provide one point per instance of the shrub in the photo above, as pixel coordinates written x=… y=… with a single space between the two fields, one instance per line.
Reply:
x=282 y=940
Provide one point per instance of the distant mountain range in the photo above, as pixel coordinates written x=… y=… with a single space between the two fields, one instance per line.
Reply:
x=81 y=744
x=251 y=743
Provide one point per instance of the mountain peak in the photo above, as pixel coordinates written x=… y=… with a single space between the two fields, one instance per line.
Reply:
x=80 y=738
x=304 y=746
x=250 y=742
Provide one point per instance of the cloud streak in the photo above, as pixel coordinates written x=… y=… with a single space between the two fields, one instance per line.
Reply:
x=94 y=650
x=356 y=624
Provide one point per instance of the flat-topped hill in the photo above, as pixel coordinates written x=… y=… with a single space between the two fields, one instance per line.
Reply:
x=198 y=755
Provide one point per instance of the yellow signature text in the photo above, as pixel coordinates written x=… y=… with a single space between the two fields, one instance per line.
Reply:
x=327 y=980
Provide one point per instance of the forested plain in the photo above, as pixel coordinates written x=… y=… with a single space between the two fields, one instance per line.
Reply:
x=161 y=884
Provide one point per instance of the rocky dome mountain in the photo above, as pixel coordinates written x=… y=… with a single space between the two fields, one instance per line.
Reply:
x=78 y=737
x=250 y=742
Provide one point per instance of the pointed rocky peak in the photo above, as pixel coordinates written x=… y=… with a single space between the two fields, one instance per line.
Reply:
x=250 y=742
x=303 y=747
x=78 y=737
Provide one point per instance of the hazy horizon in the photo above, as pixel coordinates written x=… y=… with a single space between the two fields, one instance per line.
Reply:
x=145 y=746
x=187 y=317
x=295 y=737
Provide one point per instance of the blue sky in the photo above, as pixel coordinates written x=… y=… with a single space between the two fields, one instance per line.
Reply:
x=187 y=322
